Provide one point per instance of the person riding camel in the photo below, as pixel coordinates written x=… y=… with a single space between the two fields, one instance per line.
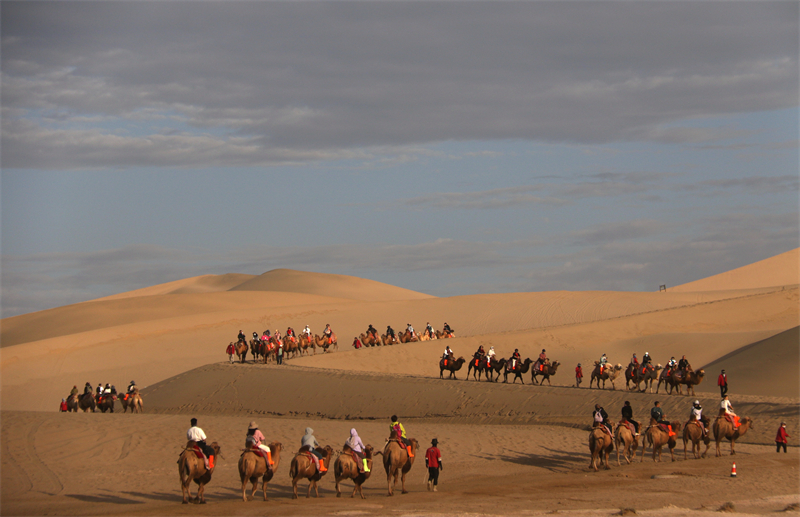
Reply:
x=603 y=361
x=671 y=365
x=634 y=361
x=726 y=408
x=307 y=332
x=657 y=414
x=447 y=330
x=542 y=360
x=256 y=439
x=645 y=360
x=429 y=330
x=255 y=336
x=489 y=356
x=328 y=333
x=697 y=413
x=399 y=432
x=99 y=390
x=241 y=337
x=87 y=388
x=309 y=443
x=410 y=330
x=199 y=437
x=390 y=332
x=131 y=387
x=683 y=365
x=291 y=334
x=447 y=355
x=74 y=391
x=372 y=330
x=601 y=418
x=514 y=359
x=478 y=355
x=627 y=414
x=277 y=335
x=357 y=446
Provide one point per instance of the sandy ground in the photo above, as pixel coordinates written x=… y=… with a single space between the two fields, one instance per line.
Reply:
x=509 y=449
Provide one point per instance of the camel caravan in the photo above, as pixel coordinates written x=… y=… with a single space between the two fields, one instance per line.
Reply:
x=605 y=436
x=104 y=399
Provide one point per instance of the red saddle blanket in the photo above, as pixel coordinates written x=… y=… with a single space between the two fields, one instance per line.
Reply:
x=604 y=428
x=733 y=419
x=629 y=425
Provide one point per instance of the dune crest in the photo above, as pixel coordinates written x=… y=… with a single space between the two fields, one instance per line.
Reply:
x=195 y=284
x=783 y=269
x=340 y=286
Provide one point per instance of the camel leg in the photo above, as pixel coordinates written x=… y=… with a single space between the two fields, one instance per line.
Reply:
x=403 y=482
x=294 y=488
x=201 y=494
x=732 y=451
x=244 y=489
x=187 y=490
x=263 y=488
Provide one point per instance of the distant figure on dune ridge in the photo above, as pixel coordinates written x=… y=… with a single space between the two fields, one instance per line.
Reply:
x=356 y=343
x=230 y=350
x=578 y=375
x=63 y=406
x=781 y=437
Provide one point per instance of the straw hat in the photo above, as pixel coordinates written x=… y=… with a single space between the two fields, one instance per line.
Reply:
x=253 y=425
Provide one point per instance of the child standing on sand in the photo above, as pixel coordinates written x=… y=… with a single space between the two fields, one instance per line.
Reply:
x=578 y=375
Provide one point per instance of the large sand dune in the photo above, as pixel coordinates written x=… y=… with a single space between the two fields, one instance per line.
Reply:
x=171 y=340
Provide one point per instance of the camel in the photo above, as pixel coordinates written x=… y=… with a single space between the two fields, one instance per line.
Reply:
x=388 y=340
x=252 y=467
x=87 y=402
x=369 y=340
x=549 y=369
x=255 y=349
x=610 y=373
x=476 y=367
x=291 y=346
x=303 y=467
x=397 y=463
x=72 y=403
x=131 y=400
x=444 y=335
x=428 y=336
x=107 y=403
x=407 y=337
x=658 y=438
x=191 y=468
x=692 y=379
x=724 y=429
x=307 y=343
x=241 y=349
x=347 y=468
x=636 y=376
x=496 y=367
x=521 y=368
x=325 y=343
x=693 y=432
x=600 y=445
x=626 y=440
x=452 y=366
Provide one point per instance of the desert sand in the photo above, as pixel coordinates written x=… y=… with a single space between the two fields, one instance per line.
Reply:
x=508 y=449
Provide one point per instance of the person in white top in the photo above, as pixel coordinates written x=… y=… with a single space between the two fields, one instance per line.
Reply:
x=307 y=331
x=697 y=413
x=726 y=407
x=197 y=434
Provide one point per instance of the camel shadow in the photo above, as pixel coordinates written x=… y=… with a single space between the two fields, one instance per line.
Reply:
x=103 y=499
x=158 y=496
x=557 y=461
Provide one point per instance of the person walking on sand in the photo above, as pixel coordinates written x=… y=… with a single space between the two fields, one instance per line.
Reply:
x=433 y=460
x=578 y=375
x=780 y=439
x=722 y=382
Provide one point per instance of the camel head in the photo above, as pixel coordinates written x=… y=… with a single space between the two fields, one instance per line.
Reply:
x=618 y=367
x=659 y=367
x=700 y=373
x=747 y=421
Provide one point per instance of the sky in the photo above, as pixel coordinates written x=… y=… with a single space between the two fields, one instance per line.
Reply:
x=452 y=148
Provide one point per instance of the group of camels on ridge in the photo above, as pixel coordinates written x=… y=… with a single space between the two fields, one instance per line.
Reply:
x=253 y=469
x=88 y=401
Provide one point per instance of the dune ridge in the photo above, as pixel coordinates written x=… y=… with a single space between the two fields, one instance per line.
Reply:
x=783 y=269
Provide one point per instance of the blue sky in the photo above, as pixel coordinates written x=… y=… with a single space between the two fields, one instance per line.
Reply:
x=451 y=148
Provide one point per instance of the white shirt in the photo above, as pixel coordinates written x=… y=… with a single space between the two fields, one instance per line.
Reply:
x=698 y=413
x=726 y=405
x=307 y=330
x=491 y=353
x=196 y=434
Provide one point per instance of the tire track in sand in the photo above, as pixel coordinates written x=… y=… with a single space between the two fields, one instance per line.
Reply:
x=42 y=478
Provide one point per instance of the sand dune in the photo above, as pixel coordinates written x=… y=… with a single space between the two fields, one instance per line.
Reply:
x=197 y=284
x=783 y=269
x=322 y=284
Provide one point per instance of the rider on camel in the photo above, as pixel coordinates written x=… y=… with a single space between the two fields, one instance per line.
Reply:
x=399 y=432
x=390 y=332
x=241 y=336
x=307 y=332
x=410 y=330
x=447 y=355
x=634 y=361
x=357 y=446
x=725 y=408
x=199 y=437
x=256 y=439
x=657 y=414
x=603 y=361
x=683 y=365
x=429 y=330
x=671 y=365
x=601 y=418
x=447 y=329
x=697 y=413
x=489 y=356
x=542 y=360
x=74 y=391
x=309 y=443
x=328 y=333
x=514 y=359
x=372 y=330
x=627 y=414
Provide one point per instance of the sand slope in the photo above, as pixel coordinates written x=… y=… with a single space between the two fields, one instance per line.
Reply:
x=197 y=284
x=783 y=269
x=322 y=284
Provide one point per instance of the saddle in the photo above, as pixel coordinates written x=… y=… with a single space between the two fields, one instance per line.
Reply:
x=733 y=419
x=666 y=429
x=629 y=425
x=603 y=427
x=193 y=447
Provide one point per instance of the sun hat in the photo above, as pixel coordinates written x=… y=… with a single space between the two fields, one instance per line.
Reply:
x=253 y=425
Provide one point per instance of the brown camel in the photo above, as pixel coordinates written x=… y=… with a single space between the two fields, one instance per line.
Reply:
x=72 y=403
x=693 y=432
x=397 y=463
x=306 y=344
x=324 y=343
x=191 y=468
x=406 y=337
x=496 y=367
x=132 y=400
x=692 y=379
x=669 y=381
x=106 y=403
x=445 y=335
x=625 y=439
x=252 y=467
x=610 y=373
x=549 y=369
x=600 y=445
x=452 y=366
x=476 y=367
x=388 y=340
x=346 y=467
x=87 y=402
x=303 y=467
x=637 y=377
x=369 y=340
x=521 y=368
x=724 y=429
x=241 y=349
x=658 y=438
x=291 y=346
x=255 y=349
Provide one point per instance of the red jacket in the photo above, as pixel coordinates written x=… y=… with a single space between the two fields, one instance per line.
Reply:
x=578 y=372
x=64 y=410
x=781 y=438
x=432 y=457
x=722 y=380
